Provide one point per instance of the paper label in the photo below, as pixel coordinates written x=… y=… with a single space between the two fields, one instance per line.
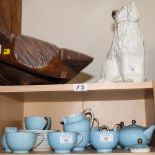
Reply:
x=106 y=138
x=66 y=139
x=132 y=68
x=80 y=87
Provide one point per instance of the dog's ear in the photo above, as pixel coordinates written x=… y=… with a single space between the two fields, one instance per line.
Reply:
x=133 y=14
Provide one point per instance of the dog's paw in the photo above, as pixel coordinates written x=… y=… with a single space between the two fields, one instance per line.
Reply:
x=128 y=80
x=135 y=79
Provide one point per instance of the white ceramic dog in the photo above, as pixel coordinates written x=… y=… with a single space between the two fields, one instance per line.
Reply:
x=125 y=60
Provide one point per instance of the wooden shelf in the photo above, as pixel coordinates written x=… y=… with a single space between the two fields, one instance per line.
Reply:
x=88 y=152
x=70 y=87
x=134 y=101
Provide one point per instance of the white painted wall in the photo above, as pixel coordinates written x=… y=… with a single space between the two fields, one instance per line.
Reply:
x=86 y=26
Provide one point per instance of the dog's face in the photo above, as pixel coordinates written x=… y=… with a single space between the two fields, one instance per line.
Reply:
x=126 y=13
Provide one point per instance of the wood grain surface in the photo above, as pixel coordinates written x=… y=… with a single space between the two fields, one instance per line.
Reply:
x=10 y=15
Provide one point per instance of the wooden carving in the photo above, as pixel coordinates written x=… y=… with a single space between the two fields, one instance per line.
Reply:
x=38 y=59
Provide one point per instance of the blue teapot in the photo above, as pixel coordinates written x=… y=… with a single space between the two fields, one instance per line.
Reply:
x=78 y=122
x=135 y=136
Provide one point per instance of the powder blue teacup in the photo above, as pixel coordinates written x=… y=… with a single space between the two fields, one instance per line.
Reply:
x=4 y=143
x=79 y=117
x=64 y=142
x=37 y=123
x=104 y=141
x=80 y=126
x=22 y=142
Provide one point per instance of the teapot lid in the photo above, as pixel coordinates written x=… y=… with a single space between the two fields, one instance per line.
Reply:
x=134 y=125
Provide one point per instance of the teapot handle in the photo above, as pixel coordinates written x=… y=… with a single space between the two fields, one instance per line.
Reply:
x=121 y=124
x=117 y=127
x=89 y=112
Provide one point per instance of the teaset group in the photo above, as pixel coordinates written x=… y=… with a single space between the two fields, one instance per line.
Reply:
x=79 y=133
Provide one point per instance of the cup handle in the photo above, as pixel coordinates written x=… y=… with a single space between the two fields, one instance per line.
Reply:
x=81 y=139
x=89 y=112
x=97 y=121
x=104 y=127
x=38 y=134
x=46 y=124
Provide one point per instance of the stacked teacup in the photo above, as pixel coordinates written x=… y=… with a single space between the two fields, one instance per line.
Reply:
x=41 y=126
x=33 y=137
x=81 y=124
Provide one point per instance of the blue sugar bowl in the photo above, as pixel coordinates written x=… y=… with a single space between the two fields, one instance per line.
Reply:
x=104 y=141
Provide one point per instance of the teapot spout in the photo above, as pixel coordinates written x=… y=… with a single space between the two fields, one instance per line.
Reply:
x=149 y=132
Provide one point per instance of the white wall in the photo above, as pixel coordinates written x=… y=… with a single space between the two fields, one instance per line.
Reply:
x=86 y=26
